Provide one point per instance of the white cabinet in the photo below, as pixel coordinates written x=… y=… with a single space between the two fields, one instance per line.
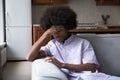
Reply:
x=18 y=28
x=19 y=41
x=18 y=13
x=1 y=22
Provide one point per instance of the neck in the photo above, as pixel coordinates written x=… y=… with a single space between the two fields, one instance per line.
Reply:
x=66 y=38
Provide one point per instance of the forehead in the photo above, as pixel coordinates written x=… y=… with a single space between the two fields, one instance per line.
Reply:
x=58 y=27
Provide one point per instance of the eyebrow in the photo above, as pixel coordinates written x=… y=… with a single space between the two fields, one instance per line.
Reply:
x=60 y=29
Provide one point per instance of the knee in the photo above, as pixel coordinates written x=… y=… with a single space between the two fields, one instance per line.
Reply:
x=41 y=68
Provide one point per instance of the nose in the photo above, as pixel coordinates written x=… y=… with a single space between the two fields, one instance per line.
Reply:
x=56 y=32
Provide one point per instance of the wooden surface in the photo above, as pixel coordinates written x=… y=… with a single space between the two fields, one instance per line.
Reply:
x=49 y=2
x=38 y=31
x=111 y=30
x=107 y=2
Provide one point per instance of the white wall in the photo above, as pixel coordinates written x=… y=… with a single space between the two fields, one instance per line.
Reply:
x=86 y=10
x=1 y=23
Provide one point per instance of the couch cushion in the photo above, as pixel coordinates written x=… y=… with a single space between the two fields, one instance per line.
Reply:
x=107 y=50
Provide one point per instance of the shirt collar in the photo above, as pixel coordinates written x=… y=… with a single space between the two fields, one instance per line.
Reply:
x=67 y=41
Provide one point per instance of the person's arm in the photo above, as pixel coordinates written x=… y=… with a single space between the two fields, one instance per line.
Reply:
x=35 y=52
x=72 y=67
x=80 y=67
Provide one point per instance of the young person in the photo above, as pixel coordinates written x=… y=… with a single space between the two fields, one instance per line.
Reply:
x=73 y=56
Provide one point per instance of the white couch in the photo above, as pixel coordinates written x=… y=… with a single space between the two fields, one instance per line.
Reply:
x=107 y=48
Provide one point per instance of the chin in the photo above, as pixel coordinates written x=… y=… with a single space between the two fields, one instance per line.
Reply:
x=59 y=40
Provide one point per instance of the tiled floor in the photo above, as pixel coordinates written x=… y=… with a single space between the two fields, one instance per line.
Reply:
x=17 y=71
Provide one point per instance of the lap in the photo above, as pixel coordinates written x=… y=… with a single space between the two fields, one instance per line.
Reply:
x=41 y=69
x=113 y=78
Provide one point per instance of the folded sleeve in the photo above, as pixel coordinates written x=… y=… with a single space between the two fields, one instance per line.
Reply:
x=88 y=54
x=46 y=49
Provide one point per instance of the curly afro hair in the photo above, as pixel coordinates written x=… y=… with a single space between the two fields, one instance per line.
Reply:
x=59 y=15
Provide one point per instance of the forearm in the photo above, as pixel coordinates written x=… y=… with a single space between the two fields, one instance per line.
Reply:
x=80 y=67
x=72 y=67
x=34 y=51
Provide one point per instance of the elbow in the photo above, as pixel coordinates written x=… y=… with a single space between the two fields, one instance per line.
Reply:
x=93 y=68
x=29 y=59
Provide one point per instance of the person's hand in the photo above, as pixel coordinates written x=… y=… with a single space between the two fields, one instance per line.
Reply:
x=50 y=31
x=54 y=61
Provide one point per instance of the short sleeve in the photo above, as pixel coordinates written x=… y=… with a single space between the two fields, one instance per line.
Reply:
x=88 y=54
x=46 y=49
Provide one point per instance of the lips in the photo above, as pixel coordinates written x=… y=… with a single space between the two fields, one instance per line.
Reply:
x=58 y=38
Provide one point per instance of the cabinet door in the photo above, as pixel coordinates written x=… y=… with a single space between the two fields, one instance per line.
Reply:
x=59 y=1
x=18 y=13
x=107 y=2
x=37 y=33
x=18 y=42
x=41 y=1
x=117 y=2
x=1 y=22
x=50 y=1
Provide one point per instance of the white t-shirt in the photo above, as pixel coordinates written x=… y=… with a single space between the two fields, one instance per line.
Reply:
x=74 y=50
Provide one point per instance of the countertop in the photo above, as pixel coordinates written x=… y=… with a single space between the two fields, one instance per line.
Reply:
x=101 y=30
x=110 y=29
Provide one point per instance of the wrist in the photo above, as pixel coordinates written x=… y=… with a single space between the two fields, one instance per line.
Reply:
x=46 y=34
x=63 y=65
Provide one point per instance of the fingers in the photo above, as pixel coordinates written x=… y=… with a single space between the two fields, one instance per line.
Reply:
x=49 y=59
x=53 y=30
x=50 y=31
x=53 y=60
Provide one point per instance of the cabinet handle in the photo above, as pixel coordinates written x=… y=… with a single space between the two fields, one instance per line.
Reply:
x=7 y=19
x=8 y=35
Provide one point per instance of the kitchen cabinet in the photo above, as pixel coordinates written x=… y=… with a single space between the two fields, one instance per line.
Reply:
x=109 y=30
x=37 y=33
x=107 y=2
x=18 y=27
x=101 y=30
x=50 y=1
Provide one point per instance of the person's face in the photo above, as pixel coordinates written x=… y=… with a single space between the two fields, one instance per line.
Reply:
x=60 y=34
